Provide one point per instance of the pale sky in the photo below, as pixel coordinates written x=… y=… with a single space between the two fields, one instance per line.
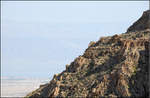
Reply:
x=40 y=38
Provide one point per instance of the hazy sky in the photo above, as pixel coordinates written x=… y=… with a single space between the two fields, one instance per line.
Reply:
x=40 y=38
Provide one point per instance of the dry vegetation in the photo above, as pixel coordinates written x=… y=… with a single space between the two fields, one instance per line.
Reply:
x=114 y=66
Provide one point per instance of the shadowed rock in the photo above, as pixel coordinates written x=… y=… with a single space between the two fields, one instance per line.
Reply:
x=142 y=24
x=116 y=66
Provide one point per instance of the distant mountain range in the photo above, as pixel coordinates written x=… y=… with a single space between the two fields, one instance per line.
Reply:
x=114 y=66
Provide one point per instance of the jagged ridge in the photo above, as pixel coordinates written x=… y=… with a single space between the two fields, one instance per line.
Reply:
x=114 y=66
x=141 y=24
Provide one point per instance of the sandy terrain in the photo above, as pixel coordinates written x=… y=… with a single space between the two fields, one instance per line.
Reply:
x=19 y=87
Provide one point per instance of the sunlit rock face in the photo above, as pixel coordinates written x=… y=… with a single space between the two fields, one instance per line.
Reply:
x=114 y=66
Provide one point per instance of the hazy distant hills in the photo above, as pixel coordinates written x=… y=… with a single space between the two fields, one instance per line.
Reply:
x=114 y=66
x=19 y=87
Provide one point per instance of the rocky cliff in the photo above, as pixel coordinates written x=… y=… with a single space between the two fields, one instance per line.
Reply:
x=141 y=24
x=114 y=66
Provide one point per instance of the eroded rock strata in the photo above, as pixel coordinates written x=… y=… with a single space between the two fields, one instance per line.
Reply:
x=116 y=66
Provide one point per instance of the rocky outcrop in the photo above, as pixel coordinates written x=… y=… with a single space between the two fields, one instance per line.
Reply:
x=116 y=66
x=141 y=24
x=78 y=64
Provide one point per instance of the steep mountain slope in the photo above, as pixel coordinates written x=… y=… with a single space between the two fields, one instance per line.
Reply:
x=116 y=66
x=142 y=24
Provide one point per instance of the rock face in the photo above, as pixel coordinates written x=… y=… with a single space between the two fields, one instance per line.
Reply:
x=142 y=24
x=116 y=66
